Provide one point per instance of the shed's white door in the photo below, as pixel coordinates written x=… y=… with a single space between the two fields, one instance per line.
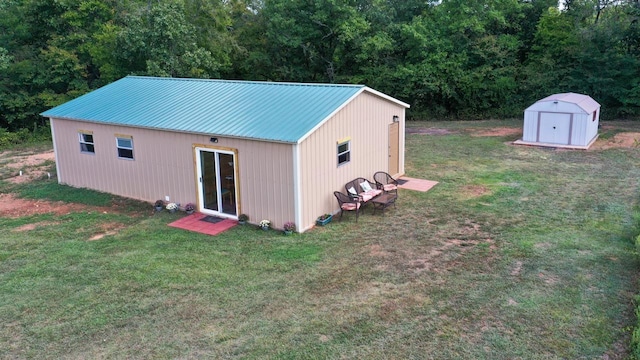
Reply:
x=554 y=128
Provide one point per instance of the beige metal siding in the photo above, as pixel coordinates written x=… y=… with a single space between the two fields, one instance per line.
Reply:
x=164 y=164
x=366 y=121
x=266 y=176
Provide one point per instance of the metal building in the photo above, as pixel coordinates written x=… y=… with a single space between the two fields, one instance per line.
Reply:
x=273 y=151
x=566 y=120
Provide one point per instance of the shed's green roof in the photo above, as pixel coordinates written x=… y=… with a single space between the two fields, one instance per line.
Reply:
x=270 y=111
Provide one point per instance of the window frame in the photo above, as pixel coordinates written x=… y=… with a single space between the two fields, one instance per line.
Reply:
x=124 y=148
x=84 y=143
x=346 y=153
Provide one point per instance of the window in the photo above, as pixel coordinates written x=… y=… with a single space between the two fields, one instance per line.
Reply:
x=344 y=152
x=86 y=142
x=125 y=146
x=594 y=115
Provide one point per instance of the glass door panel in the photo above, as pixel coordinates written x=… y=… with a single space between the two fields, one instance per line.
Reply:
x=209 y=180
x=227 y=183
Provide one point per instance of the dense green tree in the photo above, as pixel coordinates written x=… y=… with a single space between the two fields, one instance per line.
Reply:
x=249 y=53
x=159 y=41
x=447 y=58
x=49 y=62
x=553 y=55
x=532 y=11
x=5 y=59
x=57 y=50
x=310 y=40
x=213 y=23
x=585 y=50
x=461 y=58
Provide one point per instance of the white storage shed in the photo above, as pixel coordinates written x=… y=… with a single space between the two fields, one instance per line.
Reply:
x=566 y=120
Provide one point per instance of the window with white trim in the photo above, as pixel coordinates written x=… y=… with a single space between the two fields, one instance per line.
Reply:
x=124 y=144
x=344 y=152
x=86 y=142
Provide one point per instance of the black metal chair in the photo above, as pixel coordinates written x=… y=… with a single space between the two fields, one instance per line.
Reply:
x=386 y=182
x=348 y=203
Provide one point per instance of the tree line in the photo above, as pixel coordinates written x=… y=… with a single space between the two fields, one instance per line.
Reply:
x=463 y=59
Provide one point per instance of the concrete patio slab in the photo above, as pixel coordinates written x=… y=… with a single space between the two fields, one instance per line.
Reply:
x=416 y=184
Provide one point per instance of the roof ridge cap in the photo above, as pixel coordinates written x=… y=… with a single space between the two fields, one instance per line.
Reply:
x=254 y=82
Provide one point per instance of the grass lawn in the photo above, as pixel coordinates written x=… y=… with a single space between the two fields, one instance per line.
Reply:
x=519 y=252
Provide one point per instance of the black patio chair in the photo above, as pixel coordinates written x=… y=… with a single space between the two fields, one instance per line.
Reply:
x=386 y=182
x=348 y=203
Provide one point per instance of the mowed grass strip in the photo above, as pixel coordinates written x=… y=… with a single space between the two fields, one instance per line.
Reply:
x=518 y=252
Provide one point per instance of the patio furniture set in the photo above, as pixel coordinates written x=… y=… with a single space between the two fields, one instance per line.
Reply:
x=382 y=193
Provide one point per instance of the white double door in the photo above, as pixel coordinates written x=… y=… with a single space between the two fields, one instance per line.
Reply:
x=216 y=182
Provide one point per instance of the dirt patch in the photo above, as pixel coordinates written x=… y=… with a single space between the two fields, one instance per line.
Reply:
x=27 y=177
x=460 y=242
x=548 y=278
x=420 y=265
x=376 y=250
x=437 y=256
x=500 y=131
x=31 y=160
x=33 y=226
x=620 y=140
x=36 y=166
x=473 y=191
x=33 y=166
x=107 y=229
x=517 y=268
x=14 y=207
x=543 y=246
x=429 y=131
x=324 y=338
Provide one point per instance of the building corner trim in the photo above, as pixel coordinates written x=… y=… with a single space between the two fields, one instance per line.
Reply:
x=55 y=150
x=297 y=197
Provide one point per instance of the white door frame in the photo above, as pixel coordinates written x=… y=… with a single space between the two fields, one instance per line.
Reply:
x=198 y=151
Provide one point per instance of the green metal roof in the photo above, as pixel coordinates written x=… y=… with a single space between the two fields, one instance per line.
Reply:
x=271 y=111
